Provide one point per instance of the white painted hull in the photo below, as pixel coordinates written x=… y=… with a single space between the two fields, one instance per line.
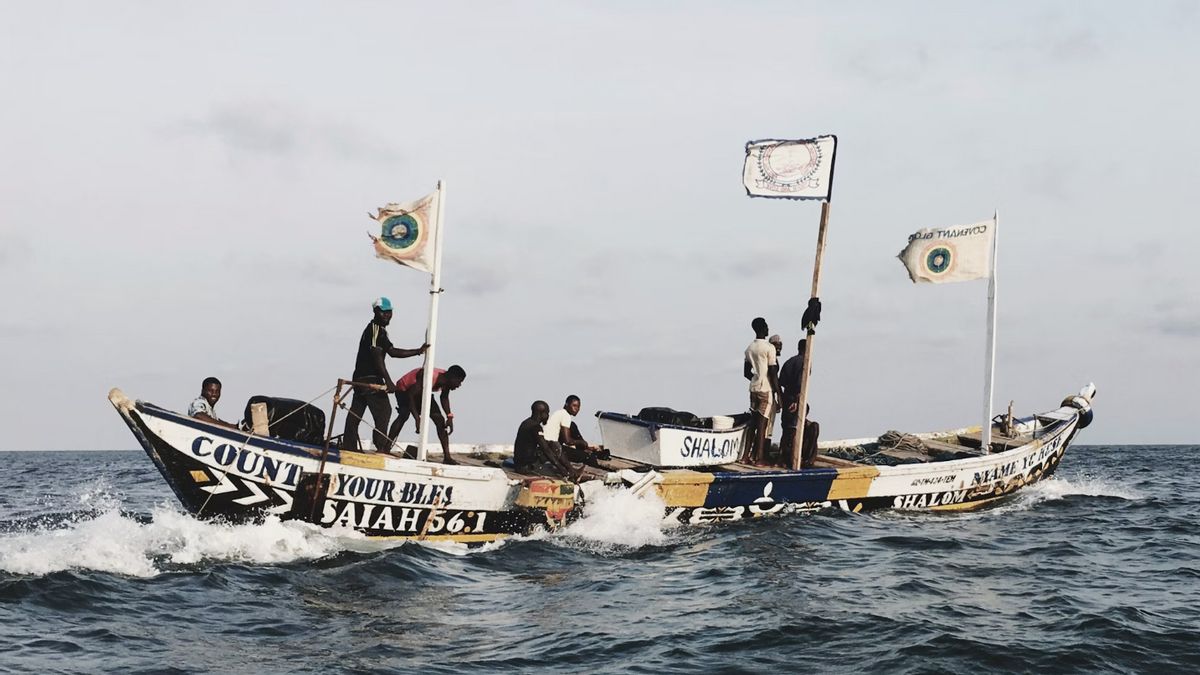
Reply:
x=667 y=445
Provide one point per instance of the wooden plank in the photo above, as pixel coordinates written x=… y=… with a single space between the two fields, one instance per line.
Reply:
x=834 y=462
x=999 y=442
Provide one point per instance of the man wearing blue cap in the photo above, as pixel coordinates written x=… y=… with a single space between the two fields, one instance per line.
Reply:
x=369 y=367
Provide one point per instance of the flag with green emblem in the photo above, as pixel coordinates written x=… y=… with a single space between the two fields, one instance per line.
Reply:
x=938 y=255
x=408 y=232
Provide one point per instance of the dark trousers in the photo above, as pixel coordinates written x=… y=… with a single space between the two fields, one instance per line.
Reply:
x=808 y=444
x=381 y=413
x=808 y=453
x=402 y=409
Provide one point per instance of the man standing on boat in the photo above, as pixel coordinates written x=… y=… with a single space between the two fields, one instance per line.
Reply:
x=762 y=369
x=369 y=368
x=409 y=398
x=789 y=382
x=776 y=342
x=204 y=407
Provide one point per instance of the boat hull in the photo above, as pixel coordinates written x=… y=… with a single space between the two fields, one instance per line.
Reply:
x=953 y=485
x=223 y=473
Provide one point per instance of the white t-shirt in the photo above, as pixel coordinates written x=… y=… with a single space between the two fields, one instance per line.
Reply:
x=559 y=419
x=761 y=355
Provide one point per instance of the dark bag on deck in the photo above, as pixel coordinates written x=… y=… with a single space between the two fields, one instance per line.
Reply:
x=669 y=416
x=291 y=420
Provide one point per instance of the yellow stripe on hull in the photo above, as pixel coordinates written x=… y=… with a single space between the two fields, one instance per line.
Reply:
x=362 y=460
x=852 y=483
x=684 y=488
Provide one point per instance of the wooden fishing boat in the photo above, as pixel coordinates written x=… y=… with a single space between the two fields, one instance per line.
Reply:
x=940 y=471
x=692 y=468
x=217 y=471
x=221 y=472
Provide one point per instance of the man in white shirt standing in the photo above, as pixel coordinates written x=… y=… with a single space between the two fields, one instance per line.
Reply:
x=762 y=369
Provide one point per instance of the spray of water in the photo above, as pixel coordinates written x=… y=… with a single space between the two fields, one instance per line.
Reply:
x=100 y=537
x=1055 y=489
x=617 y=520
x=1059 y=487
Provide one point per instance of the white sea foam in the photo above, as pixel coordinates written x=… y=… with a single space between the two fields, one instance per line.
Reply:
x=619 y=519
x=1057 y=488
x=108 y=541
x=460 y=549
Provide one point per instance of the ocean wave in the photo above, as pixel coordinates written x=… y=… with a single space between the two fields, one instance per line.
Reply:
x=99 y=536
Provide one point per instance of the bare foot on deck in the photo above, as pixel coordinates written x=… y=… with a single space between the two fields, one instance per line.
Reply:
x=447 y=460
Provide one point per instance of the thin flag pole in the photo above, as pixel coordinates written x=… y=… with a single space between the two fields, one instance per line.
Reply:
x=802 y=402
x=435 y=292
x=985 y=434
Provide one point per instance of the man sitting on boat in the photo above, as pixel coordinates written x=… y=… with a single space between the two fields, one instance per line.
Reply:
x=531 y=449
x=561 y=429
x=409 y=397
x=762 y=369
x=369 y=367
x=204 y=407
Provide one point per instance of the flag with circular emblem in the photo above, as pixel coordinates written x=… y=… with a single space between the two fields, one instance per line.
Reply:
x=408 y=232
x=938 y=255
x=782 y=169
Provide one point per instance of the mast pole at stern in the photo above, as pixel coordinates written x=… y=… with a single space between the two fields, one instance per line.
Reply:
x=985 y=430
x=802 y=401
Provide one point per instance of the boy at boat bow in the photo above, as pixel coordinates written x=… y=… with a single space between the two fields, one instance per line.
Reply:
x=204 y=407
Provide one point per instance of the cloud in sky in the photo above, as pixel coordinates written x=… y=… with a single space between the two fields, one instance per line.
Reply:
x=893 y=63
x=599 y=240
x=281 y=130
x=1181 y=326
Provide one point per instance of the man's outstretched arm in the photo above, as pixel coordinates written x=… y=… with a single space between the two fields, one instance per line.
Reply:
x=401 y=353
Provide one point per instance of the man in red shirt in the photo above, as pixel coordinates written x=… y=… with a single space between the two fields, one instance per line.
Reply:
x=409 y=397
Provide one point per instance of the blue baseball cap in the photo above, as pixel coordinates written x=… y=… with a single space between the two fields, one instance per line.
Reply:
x=382 y=304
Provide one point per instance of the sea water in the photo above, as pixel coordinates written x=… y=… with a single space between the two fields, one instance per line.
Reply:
x=1097 y=570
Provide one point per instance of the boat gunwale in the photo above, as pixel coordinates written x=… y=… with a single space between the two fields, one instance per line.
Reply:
x=334 y=458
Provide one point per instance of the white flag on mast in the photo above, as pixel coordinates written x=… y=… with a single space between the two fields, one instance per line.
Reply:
x=939 y=255
x=790 y=169
x=408 y=232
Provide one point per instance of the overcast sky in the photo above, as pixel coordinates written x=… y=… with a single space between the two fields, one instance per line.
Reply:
x=184 y=189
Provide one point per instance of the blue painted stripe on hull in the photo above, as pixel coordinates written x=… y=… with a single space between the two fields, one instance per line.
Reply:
x=237 y=437
x=740 y=489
